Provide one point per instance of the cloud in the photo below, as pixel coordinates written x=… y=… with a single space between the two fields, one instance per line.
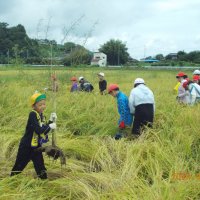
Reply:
x=161 y=26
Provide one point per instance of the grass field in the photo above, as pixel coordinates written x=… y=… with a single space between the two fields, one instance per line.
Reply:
x=162 y=164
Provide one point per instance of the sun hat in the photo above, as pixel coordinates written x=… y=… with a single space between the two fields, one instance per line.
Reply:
x=196 y=72
x=73 y=78
x=139 y=81
x=101 y=74
x=112 y=87
x=80 y=78
x=36 y=98
x=180 y=74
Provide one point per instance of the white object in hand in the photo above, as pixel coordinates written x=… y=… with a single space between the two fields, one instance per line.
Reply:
x=52 y=126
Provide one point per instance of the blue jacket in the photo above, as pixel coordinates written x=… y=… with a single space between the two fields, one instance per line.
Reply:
x=123 y=109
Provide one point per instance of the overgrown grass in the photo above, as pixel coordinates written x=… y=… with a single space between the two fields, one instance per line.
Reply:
x=162 y=164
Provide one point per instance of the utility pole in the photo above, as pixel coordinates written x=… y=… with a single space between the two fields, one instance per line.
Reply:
x=8 y=54
x=118 y=60
x=71 y=57
x=51 y=53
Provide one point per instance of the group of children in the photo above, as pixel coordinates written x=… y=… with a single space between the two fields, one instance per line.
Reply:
x=37 y=128
x=140 y=104
x=81 y=84
x=138 y=109
x=188 y=91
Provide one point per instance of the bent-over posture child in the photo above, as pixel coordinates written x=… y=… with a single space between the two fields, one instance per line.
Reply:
x=126 y=117
x=142 y=106
x=84 y=85
x=36 y=134
x=193 y=90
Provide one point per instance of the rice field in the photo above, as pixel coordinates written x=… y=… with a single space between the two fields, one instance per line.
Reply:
x=162 y=164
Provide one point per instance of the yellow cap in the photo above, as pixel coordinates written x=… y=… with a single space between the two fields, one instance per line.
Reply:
x=36 y=98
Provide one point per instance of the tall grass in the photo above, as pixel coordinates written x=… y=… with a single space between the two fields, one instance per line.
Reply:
x=162 y=164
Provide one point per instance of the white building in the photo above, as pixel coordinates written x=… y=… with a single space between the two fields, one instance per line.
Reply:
x=99 y=59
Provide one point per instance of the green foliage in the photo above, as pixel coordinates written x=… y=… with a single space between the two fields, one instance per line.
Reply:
x=69 y=46
x=159 y=57
x=161 y=64
x=192 y=57
x=172 y=64
x=44 y=51
x=17 y=48
x=14 y=42
x=181 y=55
x=116 y=52
x=77 y=56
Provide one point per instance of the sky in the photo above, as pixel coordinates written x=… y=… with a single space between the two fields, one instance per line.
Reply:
x=147 y=27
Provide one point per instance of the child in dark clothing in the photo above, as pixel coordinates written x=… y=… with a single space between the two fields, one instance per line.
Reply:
x=102 y=83
x=84 y=85
x=36 y=134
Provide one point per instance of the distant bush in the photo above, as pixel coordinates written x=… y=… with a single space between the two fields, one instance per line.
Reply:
x=173 y=63
x=181 y=63
x=3 y=60
x=160 y=64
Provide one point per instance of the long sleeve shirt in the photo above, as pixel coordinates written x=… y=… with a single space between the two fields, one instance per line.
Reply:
x=194 y=92
x=140 y=95
x=123 y=109
x=102 y=85
x=183 y=96
x=34 y=125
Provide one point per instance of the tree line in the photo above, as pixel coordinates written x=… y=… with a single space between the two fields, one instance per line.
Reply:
x=17 y=48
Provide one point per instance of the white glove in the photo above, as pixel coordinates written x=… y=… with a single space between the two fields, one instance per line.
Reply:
x=52 y=126
x=45 y=89
x=53 y=117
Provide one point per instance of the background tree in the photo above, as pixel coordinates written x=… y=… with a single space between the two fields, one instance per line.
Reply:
x=116 y=52
x=5 y=42
x=193 y=56
x=69 y=46
x=159 y=57
x=77 y=55
x=15 y=39
x=182 y=56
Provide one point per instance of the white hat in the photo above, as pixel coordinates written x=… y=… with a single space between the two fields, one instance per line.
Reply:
x=197 y=72
x=139 y=80
x=101 y=74
x=81 y=77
